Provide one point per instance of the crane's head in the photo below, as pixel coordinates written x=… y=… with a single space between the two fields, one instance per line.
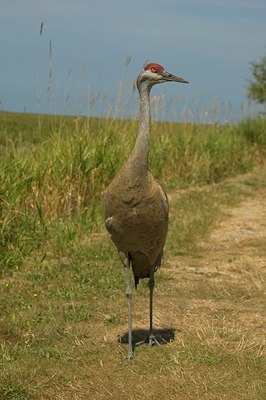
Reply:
x=155 y=73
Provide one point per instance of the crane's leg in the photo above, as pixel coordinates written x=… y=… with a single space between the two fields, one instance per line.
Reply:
x=130 y=355
x=152 y=338
x=125 y=261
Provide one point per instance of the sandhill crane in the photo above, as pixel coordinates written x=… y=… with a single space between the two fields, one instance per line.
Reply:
x=136 y=207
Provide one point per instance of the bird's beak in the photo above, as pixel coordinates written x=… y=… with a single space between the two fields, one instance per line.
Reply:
x=172 y=78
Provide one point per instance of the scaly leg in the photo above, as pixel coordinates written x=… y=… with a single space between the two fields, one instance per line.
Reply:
x=130 y=355
x=152 y=338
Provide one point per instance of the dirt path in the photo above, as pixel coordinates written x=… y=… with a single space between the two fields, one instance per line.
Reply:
x=222 y=289
x=239 y=242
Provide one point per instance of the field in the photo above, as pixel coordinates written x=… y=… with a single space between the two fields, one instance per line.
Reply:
x=63 y=319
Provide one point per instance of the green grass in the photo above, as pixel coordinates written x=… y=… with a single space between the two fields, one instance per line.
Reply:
x=62 y=303
x=13 y=392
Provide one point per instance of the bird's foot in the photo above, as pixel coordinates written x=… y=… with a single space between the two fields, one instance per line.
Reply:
x=128 y=358
x=153 y=341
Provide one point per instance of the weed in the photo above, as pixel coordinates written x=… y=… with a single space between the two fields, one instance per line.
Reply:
x=13 y=392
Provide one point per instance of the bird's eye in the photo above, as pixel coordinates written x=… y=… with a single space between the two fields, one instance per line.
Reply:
x=153 y=69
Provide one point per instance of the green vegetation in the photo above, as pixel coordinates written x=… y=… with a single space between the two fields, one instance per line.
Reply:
x=55 y=169
x=62 y=305
x=257 y=87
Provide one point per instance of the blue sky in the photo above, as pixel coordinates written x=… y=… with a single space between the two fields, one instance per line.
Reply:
x=209 y=43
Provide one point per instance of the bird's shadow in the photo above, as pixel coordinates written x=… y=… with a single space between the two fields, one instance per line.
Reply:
x=140 y=336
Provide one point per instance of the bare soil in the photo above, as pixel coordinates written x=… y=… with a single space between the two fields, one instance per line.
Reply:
x=226 y=281
x=236 y=245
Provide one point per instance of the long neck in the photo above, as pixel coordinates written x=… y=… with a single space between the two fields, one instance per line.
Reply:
x=140 y=153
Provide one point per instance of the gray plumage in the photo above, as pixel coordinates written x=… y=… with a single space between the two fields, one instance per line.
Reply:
x=136 y=207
